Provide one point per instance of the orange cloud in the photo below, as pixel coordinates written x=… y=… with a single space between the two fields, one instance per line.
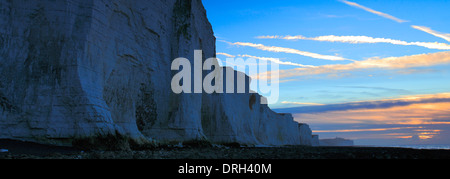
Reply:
x=411 y=117
x=364 y=130
x=414 y=114
x=405 y=62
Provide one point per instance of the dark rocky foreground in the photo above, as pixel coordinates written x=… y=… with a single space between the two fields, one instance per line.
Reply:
x=26 y=150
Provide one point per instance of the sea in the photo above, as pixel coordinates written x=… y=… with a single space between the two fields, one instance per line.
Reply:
x=439 y=147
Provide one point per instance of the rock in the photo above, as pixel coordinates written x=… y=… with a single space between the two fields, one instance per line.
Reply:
x=305 y=134
x=84 y=71
x=315 y=141
x=242 y=118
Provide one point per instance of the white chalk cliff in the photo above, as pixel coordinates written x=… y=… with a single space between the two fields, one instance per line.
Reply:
x=79 y=69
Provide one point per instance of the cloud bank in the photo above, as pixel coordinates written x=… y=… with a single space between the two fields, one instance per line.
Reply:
x=377 y=104
x=424 y=117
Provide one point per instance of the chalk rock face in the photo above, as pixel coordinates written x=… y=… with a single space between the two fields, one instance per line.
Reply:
x=84 y=68
x=242 y=118
x=305 y=134
x=315 y=140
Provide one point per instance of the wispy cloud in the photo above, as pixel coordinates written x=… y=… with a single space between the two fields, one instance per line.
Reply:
x=226 y=54
x=428 y=30
x=289 y=50
x=301 y=103
x=432 y=32
x=374 y=104
x=364 y=130
x=373 y=11
x=276 y=60
x=386 y=90
x=362 y=39
x=390 y=63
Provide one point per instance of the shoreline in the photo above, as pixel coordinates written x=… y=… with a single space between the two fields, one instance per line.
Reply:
x=29 y=150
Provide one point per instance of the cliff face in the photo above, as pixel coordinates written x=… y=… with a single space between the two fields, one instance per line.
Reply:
x=76 y=69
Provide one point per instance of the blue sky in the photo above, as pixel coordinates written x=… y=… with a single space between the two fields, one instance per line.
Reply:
x=362 y=52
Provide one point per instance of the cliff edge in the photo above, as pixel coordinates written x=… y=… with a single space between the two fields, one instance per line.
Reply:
x=83 y=71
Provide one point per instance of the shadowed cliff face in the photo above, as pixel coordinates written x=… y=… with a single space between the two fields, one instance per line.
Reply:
x=89 y=70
